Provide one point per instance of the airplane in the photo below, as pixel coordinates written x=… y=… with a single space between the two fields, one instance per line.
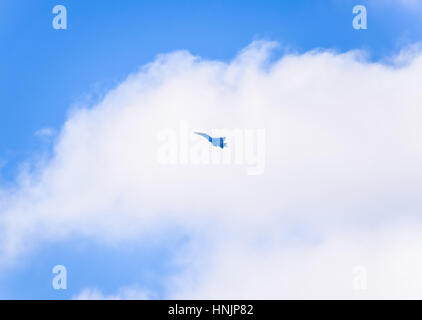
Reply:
x=216 y=142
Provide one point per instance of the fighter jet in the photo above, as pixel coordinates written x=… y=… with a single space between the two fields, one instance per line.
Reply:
x=216 y=142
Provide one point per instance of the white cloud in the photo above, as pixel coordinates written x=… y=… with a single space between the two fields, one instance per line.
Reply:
x=122 y=294
x=341 y=184
x=44 y=132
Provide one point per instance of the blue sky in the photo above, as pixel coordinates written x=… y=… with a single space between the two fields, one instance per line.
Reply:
x=105 y=42
x=46 y=72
